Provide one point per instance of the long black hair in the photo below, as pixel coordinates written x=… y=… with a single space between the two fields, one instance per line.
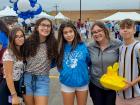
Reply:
x=62 y=41
x=33 y=42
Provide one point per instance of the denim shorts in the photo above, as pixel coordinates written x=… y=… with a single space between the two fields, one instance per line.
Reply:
x=37 y=85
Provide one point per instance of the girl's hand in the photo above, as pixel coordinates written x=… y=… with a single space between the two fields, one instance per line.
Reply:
x=15 y=100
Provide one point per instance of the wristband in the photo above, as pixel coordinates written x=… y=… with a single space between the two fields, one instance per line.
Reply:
x=14 y=93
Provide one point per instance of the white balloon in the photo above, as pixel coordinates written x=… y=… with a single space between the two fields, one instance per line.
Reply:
x=32 y=20
x=13 y=1
x=32 y=9
x=27 y=21
x=18 y=12
x=36 y=7
x=20 y=20
x=20 y=24
x=24 y=5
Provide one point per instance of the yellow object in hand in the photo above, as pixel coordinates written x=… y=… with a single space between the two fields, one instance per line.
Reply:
x=112 y=80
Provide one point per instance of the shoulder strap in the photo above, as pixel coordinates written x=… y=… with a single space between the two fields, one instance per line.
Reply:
x=132 y=56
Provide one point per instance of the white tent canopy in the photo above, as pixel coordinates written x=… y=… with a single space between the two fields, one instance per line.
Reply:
x=61 y=16
x=7 y=12
x=123 y=15
x=43 y=14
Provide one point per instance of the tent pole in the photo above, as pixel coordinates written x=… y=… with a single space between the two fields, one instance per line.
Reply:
x=80 y=11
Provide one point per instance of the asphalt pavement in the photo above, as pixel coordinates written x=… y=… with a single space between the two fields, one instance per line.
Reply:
x=55 y=94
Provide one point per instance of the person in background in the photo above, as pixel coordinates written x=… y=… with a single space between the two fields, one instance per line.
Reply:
x=87 y=26
x=83 y=32
x=13 y=66
x=4 y=32
x=72 y=64
x=129 y=62
x=137 y=30
x=40 y=49
x=104 y=51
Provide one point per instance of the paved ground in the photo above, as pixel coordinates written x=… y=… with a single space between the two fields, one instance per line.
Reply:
x=55 y=97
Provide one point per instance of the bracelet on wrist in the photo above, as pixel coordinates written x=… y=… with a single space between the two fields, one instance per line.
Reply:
x=14 y=93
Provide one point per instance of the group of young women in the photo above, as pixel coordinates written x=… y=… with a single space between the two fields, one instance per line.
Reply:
x=80 y=67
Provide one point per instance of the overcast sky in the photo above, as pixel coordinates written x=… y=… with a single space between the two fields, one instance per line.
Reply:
x=86 y=4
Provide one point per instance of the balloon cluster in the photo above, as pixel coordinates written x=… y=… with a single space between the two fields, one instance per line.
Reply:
x=26 y=9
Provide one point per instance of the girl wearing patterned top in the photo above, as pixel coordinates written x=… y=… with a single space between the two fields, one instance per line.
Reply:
x=13 y=65
x=39 y=51
x=72 y=64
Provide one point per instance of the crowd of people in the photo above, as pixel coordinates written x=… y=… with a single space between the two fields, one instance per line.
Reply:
x=27 y=61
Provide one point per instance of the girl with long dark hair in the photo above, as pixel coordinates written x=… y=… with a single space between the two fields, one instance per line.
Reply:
x=13 y=67
x=40 y=50
x=72 y=64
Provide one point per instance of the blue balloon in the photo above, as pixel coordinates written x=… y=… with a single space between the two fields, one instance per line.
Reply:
x=28 y=16
x=38 y=11
x=31 y=13
x=10 y=1
x=15 y=7
x=23 y=23
x=33 y=1
x=24 y=17
x=32 y=4
x=20 y=15
x=32 y=16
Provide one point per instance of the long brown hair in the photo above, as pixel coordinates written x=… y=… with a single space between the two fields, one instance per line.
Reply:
x=12 y=45
x=33 y=42
x=62 y=41
x=102 y=26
